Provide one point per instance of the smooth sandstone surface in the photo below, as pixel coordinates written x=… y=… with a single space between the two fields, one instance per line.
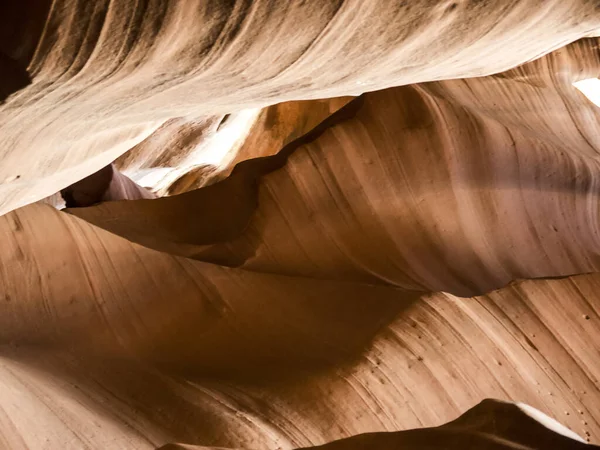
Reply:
x=341 y=225
x=97 y=354
x=107 y=74
x=430 y=187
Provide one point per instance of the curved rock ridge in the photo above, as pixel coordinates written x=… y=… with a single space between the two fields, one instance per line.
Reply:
x=432 y=187
x=107 y=344
x=106 y=74
x=538 y=98
x=187 y=154
x=491 y=425
x=372 y=215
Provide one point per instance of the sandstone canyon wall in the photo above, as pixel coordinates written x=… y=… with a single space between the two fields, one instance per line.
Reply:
x=339 y=225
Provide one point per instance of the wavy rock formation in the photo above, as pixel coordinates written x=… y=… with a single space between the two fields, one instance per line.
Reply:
x=185 y=154
x=458 y=198
x=182 y=351
x=363 y=219
x=107 y=74
x=478 y=428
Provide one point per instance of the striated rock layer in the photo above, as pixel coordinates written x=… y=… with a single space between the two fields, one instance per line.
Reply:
x=106 y=74
x=408 y=187
x=338 y=273
x=117 y=346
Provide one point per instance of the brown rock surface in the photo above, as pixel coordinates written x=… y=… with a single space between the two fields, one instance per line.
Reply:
x=406 y=188
x=376 y=214
x=108 y=184
x=184 y=351
x=478 y=428
x=107 y=74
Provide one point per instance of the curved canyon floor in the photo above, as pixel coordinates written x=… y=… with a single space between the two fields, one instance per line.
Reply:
x=337 y=225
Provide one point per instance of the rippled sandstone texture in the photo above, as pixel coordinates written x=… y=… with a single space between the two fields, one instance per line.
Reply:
x=323 y=267
x=106 y=74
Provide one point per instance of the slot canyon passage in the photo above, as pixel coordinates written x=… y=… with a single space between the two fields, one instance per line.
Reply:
x=269 y=224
